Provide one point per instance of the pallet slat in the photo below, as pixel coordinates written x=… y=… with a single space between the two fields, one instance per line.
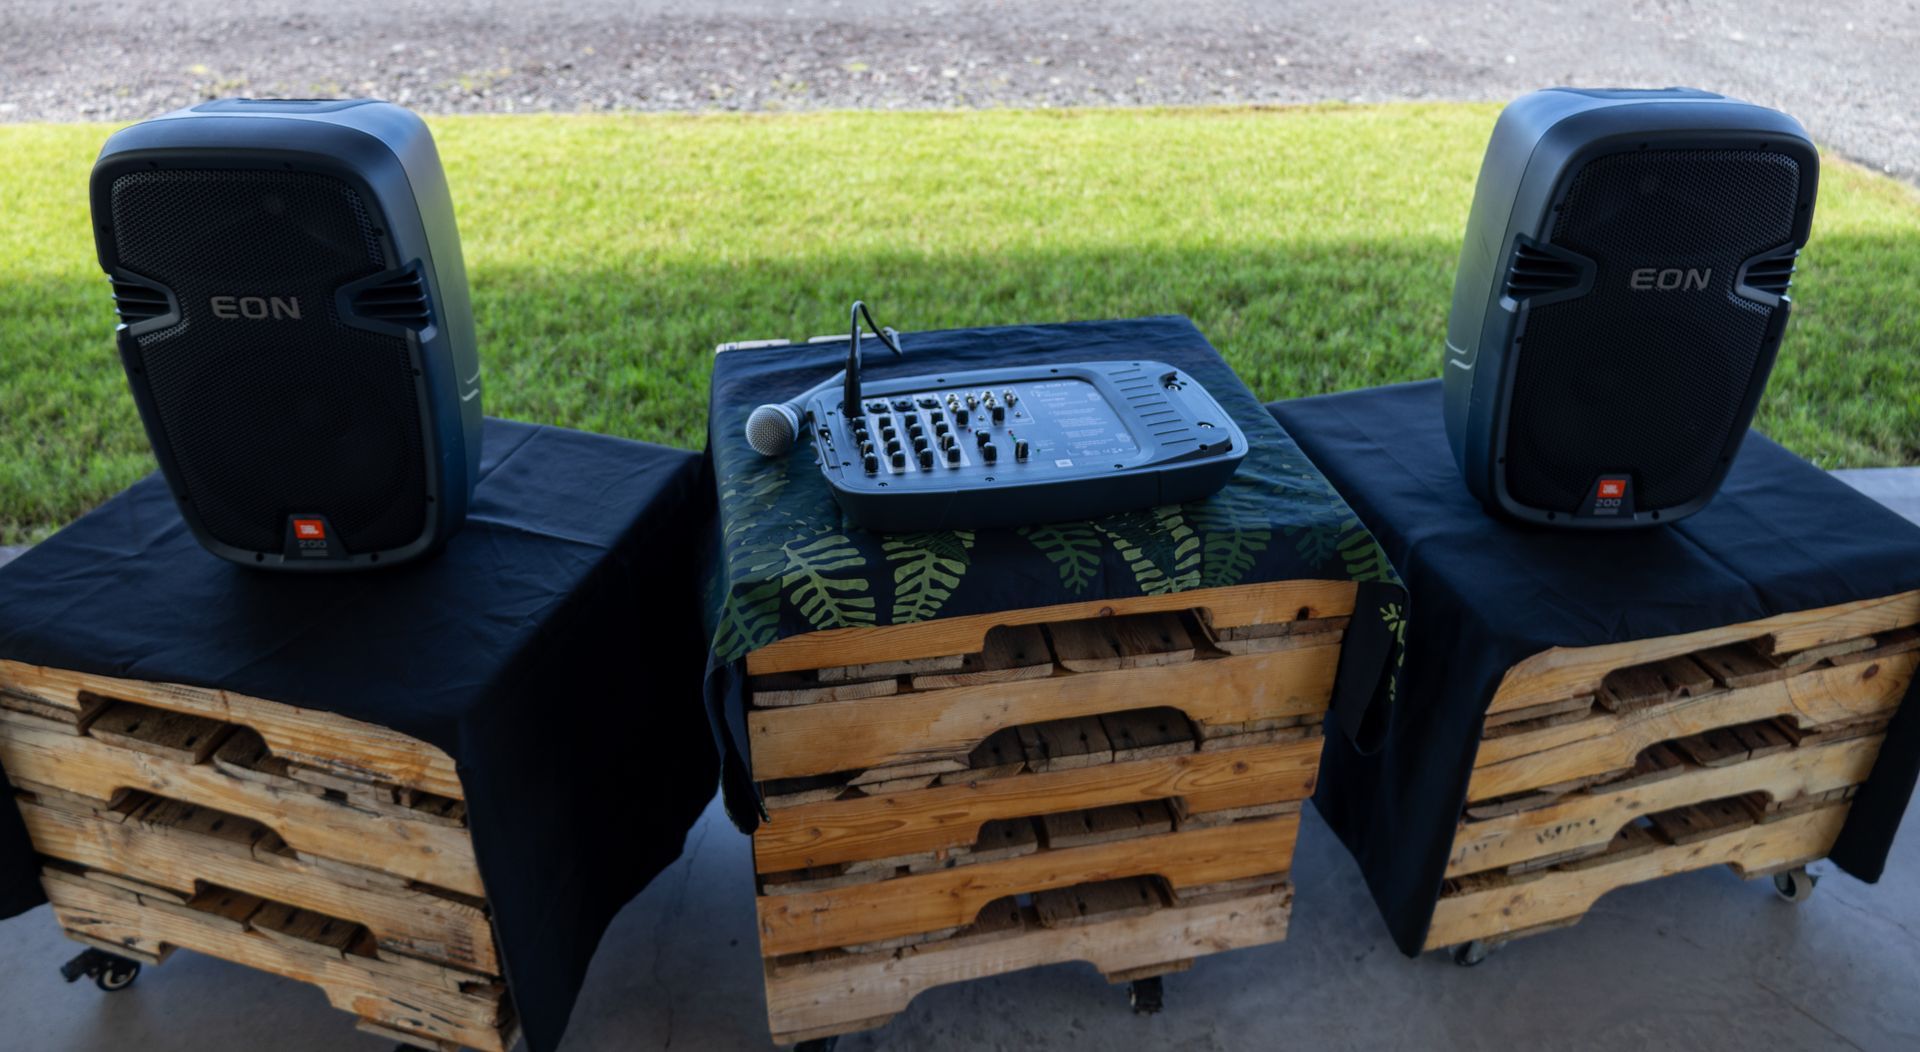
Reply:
x=1609 y=741
x=84 y=766
x=873 y=732
x=472 y=1015
x=840 y=994
x=946 y=816
x=179 y=855
x=951 y=898
x=319 y=739
x=1500 y=908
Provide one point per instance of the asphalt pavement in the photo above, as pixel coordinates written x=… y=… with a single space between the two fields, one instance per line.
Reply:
x=1847 y=68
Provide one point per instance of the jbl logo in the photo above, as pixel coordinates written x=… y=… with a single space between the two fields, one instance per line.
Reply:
x=1670 y=278
x=257 y=308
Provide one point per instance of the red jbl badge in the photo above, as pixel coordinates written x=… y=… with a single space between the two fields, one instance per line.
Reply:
x=1613 y=488
x=310 y=529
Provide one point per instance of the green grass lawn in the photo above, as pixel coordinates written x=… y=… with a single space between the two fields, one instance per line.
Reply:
x=1315 y=246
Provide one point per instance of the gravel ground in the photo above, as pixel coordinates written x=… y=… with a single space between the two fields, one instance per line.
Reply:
x=1846 y=68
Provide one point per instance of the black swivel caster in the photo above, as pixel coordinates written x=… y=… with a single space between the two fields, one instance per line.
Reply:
x=1469 y=954
x=1795 y=885
x=818 y=1044
x=1147 y=996
x=109 y=972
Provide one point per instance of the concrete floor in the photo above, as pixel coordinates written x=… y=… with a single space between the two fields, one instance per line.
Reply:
x=1699 y=961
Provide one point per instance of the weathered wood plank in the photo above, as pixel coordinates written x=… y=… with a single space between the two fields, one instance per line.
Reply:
x=1564 y=672
x=1655 y=683
x=1109 y=643
x=1102 y=825
x=856 y=735
x=1607 y=741
x=369 y=987
x=951 y=898
x=309 y=736
x=1062 y=745
x=1240 y=605
x=951 y=815
x=1010 y=653
x=842 y=994
x=423 y=851
x=1096 y=903
x=409 y=921
x=1496 y=909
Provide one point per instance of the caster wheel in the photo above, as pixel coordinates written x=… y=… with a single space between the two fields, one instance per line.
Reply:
x=818 y=1044
x=1469 y=954
x=108 y=971
x=1147 y=996
x=117 y=975
x=1795 y=885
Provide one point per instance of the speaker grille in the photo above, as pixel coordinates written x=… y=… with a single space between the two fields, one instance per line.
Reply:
x=269 y=404
x=1646 y=373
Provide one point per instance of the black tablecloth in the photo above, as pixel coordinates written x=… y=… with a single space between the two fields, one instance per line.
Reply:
x=789 y=563
x=1781 y=536
x=552 y=650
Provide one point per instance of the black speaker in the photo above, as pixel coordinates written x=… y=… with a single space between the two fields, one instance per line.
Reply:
x=295 y=326
x=1620 y=299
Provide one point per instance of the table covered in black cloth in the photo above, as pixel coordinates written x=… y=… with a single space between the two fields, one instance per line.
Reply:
x=551 y=650
x=1782 y=536
x=788 y=562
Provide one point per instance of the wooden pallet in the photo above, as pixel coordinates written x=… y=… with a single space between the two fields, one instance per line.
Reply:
x=431 y=1006
x=1126 y=933
x=1501 y=906
x=1604 y=766
x=285 y=839
x=1118 y=783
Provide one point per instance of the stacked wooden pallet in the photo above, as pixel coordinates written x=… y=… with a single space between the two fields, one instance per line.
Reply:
x=290 y=840
x=1611 y=765
x=1118 y=783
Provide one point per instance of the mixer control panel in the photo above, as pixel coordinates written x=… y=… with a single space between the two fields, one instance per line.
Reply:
x=1034 y=444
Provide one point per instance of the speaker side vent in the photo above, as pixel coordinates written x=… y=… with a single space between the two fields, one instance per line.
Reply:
x=135 y=302
x=1537 y=272
x=398 y=298
x=1772 y=275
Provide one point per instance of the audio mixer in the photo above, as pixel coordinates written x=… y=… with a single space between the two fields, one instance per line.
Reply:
x=1004 y=447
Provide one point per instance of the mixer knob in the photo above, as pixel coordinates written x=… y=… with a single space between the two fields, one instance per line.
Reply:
x=1020 y=450
x=926 y=459
x=982 y=437
x=960 y=417
x=866 y=449
x=893 y=446
x=872 y=462
x=972 y=401
x=940 y=427
x=899 y=459
x=999 y=414
x=953 y=456
x=989 y=453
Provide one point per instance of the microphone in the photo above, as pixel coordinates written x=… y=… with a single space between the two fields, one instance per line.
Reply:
x=773 y=428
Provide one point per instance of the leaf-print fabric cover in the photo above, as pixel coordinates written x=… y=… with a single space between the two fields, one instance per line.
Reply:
x=789 y=562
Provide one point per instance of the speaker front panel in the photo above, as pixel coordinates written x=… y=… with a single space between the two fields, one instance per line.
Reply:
x=1650 y=372
x=268 y=403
